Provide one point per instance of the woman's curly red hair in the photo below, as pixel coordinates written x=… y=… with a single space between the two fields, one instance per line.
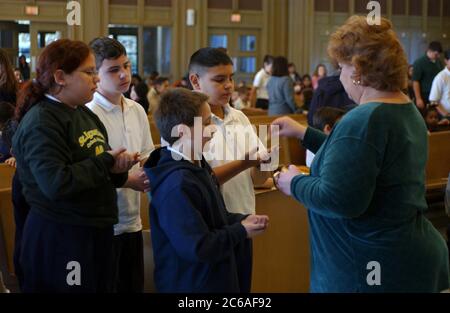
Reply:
x=375 y=52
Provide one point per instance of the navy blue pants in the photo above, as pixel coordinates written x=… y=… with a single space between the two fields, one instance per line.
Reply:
x=21 y=210
x=58 y=257
x=128 y=262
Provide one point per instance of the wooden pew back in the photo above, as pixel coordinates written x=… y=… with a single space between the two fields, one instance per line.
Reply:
x=438 y=164
x=7 y=229
x=6 y=175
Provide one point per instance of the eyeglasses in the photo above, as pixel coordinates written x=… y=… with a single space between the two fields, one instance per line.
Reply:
x=90 y=73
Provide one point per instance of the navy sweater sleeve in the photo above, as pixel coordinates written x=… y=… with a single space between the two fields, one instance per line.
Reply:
x=50 y=164
x=236 y=217
x=187 y=231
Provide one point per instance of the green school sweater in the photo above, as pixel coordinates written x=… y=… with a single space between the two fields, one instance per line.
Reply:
x=64 y=167
x=365 y=199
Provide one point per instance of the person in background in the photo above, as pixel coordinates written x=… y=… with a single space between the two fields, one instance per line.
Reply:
x=135 y=79
x=243 y=100
x=433 y=120
x=6 y=114
x=324 y=120
x=259 y=96
x=296 y=78
x=330 y=93
x=160 y=85
x=440 y=89
x=8 y=82
x=151 y=79
x=306 y=96
x=24 y=67
x=425 y=70
x=18 y=76
x=139 y=94
x=281 y=89
x=410 y=83
x=306 y=82
x=319 y=73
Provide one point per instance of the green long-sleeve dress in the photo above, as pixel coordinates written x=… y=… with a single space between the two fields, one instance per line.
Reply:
x=365 y=199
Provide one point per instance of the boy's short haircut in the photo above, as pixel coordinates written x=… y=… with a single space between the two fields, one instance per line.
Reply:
x=268 y=59
x=435 y=46
x=205 y=58
x=177 y=106
x=327 y=116
x=160 y=80
x=447 y=54
x=106 y=48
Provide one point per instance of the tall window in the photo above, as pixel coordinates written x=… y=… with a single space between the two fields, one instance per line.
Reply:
x=157 y=49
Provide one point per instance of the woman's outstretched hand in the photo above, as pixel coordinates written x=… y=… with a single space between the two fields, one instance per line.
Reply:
x=287 y=127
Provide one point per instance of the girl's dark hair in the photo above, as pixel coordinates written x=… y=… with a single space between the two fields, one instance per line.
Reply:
x=8 y=82
x=316 y=71
x=280 y=67
x=447 y=54
x=62 y=54
x=141 y=90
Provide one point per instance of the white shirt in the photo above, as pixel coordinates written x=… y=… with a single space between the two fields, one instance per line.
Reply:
x=129 y=129
x=260 y=82
x=238 y=192
x=239 y=104
x=309 y=158
x=440 y=90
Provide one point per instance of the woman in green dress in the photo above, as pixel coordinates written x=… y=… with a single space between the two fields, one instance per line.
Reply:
x=366 y=192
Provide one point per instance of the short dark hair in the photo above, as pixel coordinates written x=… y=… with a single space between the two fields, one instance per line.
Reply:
x=205 y=58
x=268 y=59
x=327 y=116
x=435 y=46
x=106 y=48
x=280 y=67
x=160 y=80
x=177 y=106
x=447 y=54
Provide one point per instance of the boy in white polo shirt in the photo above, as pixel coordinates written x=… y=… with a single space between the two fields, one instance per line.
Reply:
x=211 y=72
x=127 y=126
x=440 y=90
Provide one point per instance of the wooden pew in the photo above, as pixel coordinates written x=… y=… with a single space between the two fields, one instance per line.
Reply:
x=7 y=224
x=7 y=231
x=6 y=175
x=438 y=164
x=281 y=256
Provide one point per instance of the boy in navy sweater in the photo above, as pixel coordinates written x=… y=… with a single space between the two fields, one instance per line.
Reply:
x=196 y=242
